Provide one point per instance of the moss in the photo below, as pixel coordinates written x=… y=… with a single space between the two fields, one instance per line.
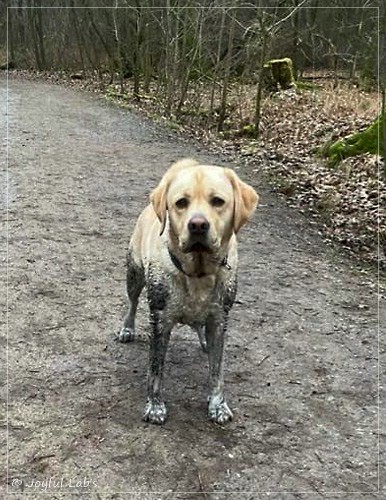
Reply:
x=370 y=140
x=279 y=73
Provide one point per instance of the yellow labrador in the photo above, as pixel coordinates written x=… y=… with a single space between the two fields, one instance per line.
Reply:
x=184 y=250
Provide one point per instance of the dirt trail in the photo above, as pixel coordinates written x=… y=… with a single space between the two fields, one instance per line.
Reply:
x=302 y=367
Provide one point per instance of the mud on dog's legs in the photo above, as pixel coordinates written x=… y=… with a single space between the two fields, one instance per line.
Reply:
x=200 y=329
x=218 y=410
x=155 y=409
x=161 y=325
x=135 y=281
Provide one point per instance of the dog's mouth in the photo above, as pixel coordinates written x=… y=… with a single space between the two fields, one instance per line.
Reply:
x=198 y=247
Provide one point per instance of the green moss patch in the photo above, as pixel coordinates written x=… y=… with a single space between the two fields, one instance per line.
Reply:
x=278 y=73
x=370 y=140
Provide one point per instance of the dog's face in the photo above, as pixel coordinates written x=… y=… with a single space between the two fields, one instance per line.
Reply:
x=205 y=205
x=200 y=207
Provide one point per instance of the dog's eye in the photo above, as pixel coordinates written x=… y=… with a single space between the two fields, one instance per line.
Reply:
x=182 y=203
x=217 y=202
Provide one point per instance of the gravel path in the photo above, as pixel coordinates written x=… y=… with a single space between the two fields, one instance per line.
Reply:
x=302 y=355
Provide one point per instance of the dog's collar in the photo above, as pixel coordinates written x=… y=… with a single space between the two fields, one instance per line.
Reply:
x=176 y=261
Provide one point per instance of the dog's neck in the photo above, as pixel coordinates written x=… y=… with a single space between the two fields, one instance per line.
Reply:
x=201 y=267
x=197 y=264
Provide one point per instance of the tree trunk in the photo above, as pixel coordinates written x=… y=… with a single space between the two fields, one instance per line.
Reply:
x=172 y=60
x=227 y=71
x=109 y=53
x=21 y=22
x=260 y=83
x=40 y=35
x=147 y=67
x=296 y=41
x=10 y=38
x=74 y=20
x=217 y=65
x=355 y=58
x=31 y=20
x=191 y=58
x=137 y=53
x=383 y=132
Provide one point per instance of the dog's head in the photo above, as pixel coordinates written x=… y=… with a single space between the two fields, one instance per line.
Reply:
x=205 y=205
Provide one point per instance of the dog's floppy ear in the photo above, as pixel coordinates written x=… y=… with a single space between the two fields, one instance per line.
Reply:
x=158 y=195
x=245 y=197
x=158 y=200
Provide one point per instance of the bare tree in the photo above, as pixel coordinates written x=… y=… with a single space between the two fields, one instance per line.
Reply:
x=174 y=50
x=217 y=63
x=227 y=71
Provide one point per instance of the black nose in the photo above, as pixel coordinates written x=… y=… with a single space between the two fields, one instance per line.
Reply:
x=198 y=225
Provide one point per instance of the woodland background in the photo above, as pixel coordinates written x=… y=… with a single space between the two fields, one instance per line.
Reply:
x=197 y=66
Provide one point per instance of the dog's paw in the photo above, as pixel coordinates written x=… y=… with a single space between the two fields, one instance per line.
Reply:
x=219 y=413
x=155 y=412
x=126 y=335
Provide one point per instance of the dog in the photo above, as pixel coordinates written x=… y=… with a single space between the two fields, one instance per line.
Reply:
x=184 y=250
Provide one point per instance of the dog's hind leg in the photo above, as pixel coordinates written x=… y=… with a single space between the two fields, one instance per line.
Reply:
x=200 y=329
x=135 y=283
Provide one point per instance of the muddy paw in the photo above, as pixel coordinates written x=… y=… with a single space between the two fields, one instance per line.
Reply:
x=220 y=413
x=155 y=412
x=126 y=335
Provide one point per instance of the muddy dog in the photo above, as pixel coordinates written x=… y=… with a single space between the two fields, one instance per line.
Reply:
x=184 y=250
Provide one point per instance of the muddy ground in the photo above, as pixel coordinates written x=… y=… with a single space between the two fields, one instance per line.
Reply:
x=302 y=354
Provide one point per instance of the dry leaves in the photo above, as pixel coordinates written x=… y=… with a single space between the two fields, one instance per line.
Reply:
x=349 y=200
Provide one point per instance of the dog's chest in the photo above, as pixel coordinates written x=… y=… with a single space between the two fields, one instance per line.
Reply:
x=192 y=302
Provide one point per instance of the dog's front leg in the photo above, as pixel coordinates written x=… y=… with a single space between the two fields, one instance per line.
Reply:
x=218 y=410
x=155 y=410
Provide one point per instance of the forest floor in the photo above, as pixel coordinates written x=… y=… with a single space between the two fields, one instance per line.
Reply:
x=302 y=356
x=346 y=202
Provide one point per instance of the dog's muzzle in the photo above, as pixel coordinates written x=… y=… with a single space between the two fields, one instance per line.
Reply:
x=198 y=228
